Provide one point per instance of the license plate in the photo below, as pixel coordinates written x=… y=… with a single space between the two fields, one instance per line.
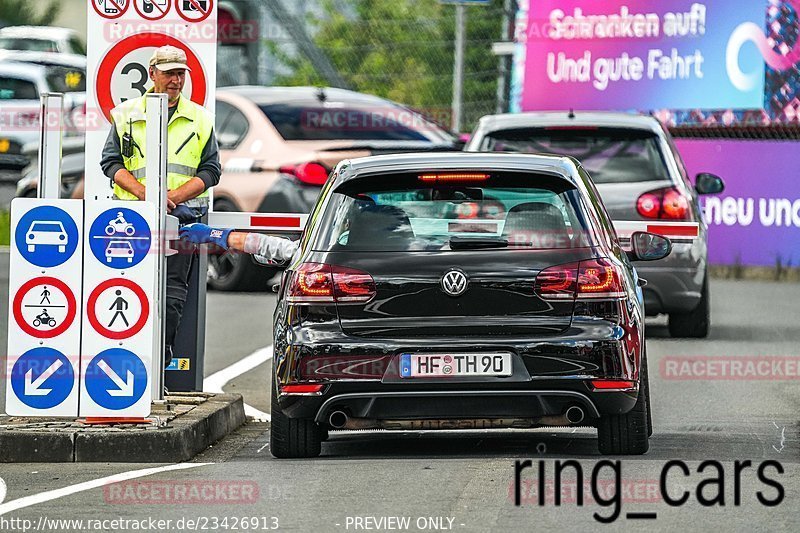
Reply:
x=454 y=364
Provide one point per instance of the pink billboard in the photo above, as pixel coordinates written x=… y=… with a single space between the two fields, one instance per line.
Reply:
x=756 y=220
x=641 y=55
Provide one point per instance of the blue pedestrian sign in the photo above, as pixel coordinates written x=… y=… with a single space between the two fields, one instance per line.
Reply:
x=42 y=378
x=116 y=379
x=46 y=236
x=120 y=238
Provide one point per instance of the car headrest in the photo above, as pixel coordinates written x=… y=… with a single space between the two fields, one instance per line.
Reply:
x=378 y=227
x=534 y=222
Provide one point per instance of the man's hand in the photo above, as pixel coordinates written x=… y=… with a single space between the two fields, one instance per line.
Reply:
x=203 y=234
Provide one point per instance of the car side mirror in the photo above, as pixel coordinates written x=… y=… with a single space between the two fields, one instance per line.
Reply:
x=649 y=246
x=709 y=183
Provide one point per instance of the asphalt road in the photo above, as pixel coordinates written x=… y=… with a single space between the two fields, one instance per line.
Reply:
x=465 y=482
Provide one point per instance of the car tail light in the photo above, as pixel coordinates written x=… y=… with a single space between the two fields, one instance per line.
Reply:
x=351 y=285
x=308 y=173
x=667 y=204
x=612 y=384
x=557 y=282
x=302 y=388
x=599 y=278
x=591 y=279
x=323 y=283
x=454 y=177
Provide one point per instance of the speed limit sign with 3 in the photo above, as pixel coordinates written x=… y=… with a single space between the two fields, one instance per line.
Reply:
x=120 y=45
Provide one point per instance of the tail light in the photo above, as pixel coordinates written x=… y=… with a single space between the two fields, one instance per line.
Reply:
x=308 y=173
x=302 y=389
x=612 y=384
x=591 y=279
x=667 y=204
x=323 y=283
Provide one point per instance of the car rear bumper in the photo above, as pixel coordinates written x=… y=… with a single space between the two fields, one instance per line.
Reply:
x=548 y=376
x=674 y=284
x=532 y=403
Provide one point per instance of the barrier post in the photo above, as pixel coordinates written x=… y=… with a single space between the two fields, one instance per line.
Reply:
x=51 y=116
x=156 y=192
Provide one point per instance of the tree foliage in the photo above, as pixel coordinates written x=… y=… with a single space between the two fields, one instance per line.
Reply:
x=404 y=50
x=28 y=12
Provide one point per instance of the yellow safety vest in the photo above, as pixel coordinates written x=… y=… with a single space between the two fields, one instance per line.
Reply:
x=188 y=132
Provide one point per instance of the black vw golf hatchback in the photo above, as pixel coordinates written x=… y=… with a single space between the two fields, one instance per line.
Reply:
x=461 y=291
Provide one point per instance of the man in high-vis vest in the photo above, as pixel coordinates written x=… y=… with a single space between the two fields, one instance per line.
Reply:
x=192 y=166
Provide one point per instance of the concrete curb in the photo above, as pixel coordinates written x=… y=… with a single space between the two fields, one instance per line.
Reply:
x=184 y=437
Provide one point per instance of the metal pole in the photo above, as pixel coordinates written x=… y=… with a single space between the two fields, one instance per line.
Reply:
x=156 y=192
x=51 y=116
x=458 y=69
x=505 y=61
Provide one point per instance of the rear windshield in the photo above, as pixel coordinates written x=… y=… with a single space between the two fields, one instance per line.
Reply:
x=27 y=44
x=314 y=122
x=17 y=89
x=404 y=214
x=610 y=155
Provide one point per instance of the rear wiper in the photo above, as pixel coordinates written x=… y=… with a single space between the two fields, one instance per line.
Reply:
x=475 y=243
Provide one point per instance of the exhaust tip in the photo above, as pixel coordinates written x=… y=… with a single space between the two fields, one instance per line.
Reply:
x=337 y=419
x=575 y=415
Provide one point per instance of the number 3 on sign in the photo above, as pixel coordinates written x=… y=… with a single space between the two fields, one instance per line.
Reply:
x=138 y=77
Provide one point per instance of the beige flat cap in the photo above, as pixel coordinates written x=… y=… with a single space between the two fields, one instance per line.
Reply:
x=169 y=58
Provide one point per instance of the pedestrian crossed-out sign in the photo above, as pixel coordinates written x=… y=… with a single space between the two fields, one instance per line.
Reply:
x=118 y=308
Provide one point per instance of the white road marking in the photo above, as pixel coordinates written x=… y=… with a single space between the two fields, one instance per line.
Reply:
x=216 y=381
x=46 y=496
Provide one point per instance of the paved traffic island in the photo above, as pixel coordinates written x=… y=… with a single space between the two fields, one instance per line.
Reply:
x=189 y=424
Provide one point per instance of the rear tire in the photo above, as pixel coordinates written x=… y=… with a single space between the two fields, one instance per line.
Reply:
x=694 y=324
x=293 y=438
x=629 y=433
x=235 y=271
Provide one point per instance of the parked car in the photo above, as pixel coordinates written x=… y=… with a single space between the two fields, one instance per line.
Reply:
x=640 y=175
x=73 y=161
x=42 y=39
x=24 y=77
x=396 y=313
x=278 y=145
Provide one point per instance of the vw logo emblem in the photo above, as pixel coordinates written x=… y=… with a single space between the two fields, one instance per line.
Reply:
x=454 y=283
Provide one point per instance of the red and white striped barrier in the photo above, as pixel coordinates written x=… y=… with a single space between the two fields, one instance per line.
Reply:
x=271 y=222
x=677 y=232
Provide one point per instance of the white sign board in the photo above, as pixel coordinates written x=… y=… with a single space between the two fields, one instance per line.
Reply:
x=44 y=293
x=119 y=281
x=122 y=35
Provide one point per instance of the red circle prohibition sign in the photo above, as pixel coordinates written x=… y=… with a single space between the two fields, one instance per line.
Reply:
x=120 y=5
x=142 y=40
x=155 y=7
x=104 y=331
x=196 y=7
x=56 y=331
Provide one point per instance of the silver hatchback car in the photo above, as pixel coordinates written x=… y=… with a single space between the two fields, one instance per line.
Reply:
x=640 y=176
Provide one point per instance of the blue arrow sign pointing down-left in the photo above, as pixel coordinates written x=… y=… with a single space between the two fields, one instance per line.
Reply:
x=42 y=378
x=33 y=387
